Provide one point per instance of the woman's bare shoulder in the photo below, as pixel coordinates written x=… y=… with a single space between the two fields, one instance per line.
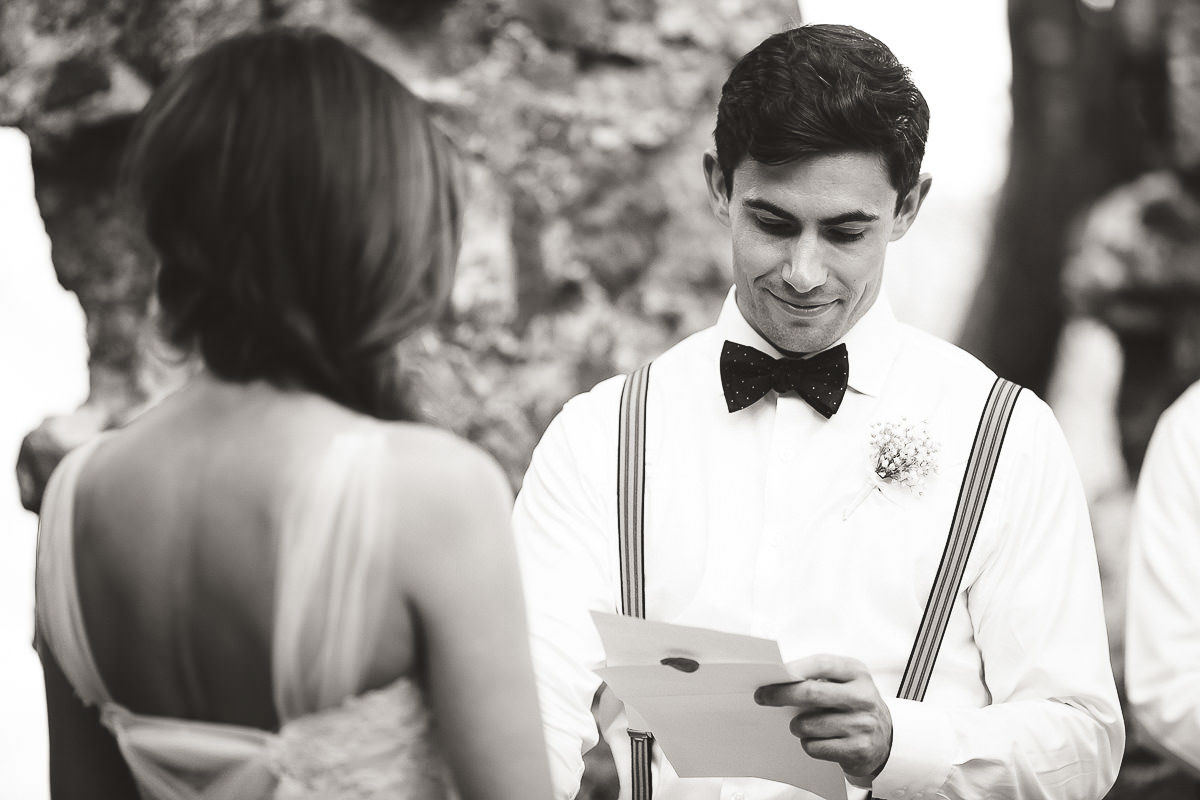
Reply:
x=424 y=441
x=445 y=486
x=439 y=461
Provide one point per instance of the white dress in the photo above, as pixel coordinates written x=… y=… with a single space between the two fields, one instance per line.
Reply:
x=336 y=742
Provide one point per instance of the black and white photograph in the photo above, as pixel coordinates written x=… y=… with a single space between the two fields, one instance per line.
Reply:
x=600 y=400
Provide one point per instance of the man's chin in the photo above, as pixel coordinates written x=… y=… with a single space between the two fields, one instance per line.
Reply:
x=788 y=343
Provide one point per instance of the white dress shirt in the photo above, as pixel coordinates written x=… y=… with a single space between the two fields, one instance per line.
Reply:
x=752 y=527
x=1162 y=639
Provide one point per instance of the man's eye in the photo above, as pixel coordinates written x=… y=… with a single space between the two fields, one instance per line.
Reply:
x=773 y=224
x=846 y=235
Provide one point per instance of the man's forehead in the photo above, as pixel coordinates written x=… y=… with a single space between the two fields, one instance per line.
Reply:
x=822 y=184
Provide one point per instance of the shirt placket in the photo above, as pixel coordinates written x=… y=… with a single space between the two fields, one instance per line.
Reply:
x=783 y=499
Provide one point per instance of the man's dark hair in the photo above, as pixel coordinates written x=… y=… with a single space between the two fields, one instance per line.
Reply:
x=305 y=213
x=822 y=89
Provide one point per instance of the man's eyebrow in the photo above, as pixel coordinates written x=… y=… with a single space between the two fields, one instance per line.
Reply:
x=850 y=216
x=840 y=219
x=765 y=205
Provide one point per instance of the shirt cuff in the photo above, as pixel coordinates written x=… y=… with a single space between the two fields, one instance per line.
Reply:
x=922 y=749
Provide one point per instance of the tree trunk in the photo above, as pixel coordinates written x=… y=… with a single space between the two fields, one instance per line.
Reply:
x=1072 y=138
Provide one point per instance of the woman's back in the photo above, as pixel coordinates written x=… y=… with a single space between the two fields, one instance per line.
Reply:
x=178 y=523
x=266 y=559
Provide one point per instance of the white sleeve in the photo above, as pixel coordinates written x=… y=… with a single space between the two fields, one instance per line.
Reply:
x=1054 y=727
x=567 y=547
x=1162 y=640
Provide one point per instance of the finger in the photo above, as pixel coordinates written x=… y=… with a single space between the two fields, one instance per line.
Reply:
x=839 y=669
x=822 y=725
x=825 y=749
x=813 y=694
x=825 y=724
x=849 y=753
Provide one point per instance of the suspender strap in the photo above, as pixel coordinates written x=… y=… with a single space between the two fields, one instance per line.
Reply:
x=972 y=496
x=641 y=744
x=631 y=492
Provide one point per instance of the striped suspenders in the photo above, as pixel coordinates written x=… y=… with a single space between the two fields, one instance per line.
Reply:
x=631 y=489
x=972 y=496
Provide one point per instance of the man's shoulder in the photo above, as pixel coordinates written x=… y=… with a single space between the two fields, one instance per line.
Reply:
x=588 y=407
x=1176 y=436
x=957 y=374
x=935 y=359
x=941 y=381
x=588 y=423
x=1184 y=413
x=678 y=363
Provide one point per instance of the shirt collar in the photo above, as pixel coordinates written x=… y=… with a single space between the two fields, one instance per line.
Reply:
x=872 y=344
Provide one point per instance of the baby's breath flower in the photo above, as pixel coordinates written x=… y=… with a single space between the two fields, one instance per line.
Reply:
x=902 y=452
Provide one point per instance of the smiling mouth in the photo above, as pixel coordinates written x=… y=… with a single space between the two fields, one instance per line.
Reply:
x=805 y=308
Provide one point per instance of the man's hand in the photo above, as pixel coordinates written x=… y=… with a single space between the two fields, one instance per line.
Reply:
x=841 y=716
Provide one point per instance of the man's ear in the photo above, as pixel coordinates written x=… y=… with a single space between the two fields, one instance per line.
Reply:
x=911 y=205
x=714 y=179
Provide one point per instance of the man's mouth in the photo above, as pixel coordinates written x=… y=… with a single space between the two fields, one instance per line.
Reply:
x=807 y=307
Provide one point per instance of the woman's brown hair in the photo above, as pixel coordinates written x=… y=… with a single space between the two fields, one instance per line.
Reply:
x=305 y=212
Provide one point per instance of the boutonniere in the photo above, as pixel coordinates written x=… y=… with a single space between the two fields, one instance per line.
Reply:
x=902 y=453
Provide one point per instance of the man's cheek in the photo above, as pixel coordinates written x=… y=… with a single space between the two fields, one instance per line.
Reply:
x=755 y=257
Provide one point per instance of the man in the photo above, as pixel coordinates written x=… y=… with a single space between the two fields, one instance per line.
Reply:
x=1162 y=643
x=764 y=513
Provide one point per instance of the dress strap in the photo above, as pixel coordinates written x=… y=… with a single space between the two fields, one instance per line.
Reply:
x=59 y=623
x=333 y=575
x=171 y=759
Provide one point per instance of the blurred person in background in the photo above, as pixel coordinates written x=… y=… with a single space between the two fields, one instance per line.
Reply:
x=269 y=584
x=764 y=515
x=1162 y=633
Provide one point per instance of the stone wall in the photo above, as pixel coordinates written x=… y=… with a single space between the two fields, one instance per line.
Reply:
x=583 y=125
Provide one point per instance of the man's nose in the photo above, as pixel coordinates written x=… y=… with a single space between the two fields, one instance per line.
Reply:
x=804 y=270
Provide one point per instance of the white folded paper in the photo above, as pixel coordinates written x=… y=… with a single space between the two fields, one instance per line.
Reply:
x=700 y=703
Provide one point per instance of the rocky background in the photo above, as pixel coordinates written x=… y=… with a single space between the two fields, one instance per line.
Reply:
x=582 y=125
x=589 y=245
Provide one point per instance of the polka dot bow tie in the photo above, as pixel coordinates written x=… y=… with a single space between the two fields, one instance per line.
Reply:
x=748 y=374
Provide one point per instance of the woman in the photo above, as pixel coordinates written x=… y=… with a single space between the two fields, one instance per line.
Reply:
x=270 y=585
